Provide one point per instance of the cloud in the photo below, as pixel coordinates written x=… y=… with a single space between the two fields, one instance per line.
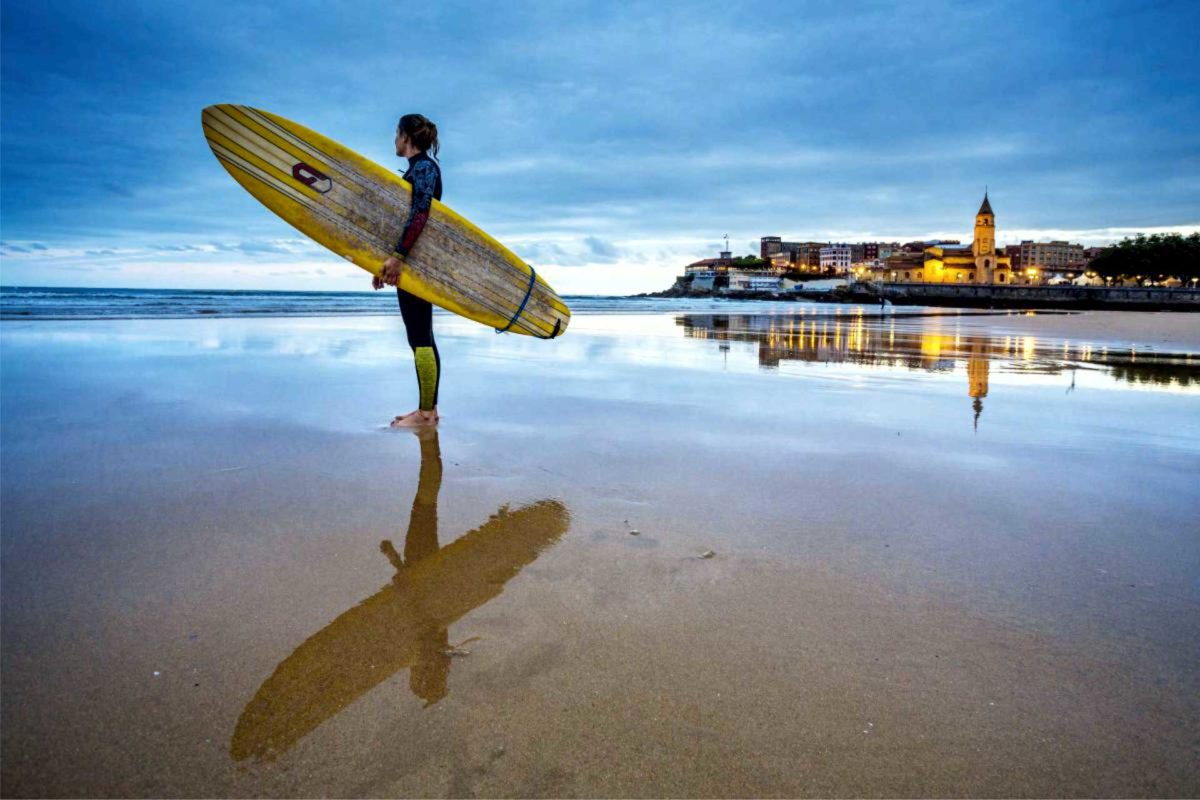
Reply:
x=567 y=251
x=747 y=120
x=1094 y=237
x=297 y=273
x=602 y=250
x=270 y=249
x=540 y=251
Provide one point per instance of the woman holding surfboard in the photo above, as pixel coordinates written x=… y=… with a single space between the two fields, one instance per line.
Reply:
x=416 y=136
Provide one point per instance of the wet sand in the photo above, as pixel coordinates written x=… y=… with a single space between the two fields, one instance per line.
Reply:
x=951 y=556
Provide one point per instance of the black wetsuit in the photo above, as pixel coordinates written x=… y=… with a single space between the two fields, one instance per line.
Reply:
x=426 y=178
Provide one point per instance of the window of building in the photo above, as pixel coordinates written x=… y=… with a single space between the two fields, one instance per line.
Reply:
x=971 y=276
x=1000 y=278
x=906 y=276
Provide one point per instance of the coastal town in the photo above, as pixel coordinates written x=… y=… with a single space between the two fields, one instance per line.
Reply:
x=940 y=268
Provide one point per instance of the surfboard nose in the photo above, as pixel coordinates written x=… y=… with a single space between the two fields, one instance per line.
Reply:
x=209 y=113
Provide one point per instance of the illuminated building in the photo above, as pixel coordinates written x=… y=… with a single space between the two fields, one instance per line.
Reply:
x=711 y=266
x=753 y=281
x=808 y=255
x=951 y=262
x=901 y=267
x=975 y=263
x=1013 y=251
x=1053 y=256
x=1060 y=261
x=836 y=257
x=802 y=255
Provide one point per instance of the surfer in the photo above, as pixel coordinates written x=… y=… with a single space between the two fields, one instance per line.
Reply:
x=416 y=138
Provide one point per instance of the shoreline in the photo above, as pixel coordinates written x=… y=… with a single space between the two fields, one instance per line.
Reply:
x=901 y=554
x=1162 y=331
x=955 y=296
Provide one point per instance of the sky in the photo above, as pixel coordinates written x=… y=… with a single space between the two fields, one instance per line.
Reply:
x=609 y=144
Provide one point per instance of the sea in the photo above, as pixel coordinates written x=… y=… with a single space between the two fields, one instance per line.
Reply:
x=28 y=302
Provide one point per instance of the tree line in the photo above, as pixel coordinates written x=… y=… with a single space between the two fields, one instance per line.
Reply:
x=1158 y=257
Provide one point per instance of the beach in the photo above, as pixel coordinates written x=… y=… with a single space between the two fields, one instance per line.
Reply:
x=807 y=551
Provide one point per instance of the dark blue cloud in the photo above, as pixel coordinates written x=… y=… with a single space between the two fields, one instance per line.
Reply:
x=611 y=122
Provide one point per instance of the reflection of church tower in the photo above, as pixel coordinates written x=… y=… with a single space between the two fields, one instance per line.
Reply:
x=984 y=247
x=977 y=376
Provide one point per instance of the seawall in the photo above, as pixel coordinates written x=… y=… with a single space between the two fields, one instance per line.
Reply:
x=1083 y=297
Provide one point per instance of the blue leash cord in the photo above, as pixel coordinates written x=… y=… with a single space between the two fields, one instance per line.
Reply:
x=528 y=292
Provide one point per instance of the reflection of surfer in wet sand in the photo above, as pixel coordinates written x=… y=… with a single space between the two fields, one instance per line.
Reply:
x=431 y=659
x=405 y=623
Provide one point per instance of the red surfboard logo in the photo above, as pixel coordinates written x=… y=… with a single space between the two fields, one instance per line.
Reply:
x=312 y=177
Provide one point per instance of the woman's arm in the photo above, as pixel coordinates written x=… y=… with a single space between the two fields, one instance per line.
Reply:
x=424 y=180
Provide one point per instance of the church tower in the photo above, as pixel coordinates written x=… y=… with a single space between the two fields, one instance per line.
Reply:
x=984 y=248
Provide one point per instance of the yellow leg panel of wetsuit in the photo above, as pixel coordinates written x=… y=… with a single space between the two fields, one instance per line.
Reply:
x=427 y=375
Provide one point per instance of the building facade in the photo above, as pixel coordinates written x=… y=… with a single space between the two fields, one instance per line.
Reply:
x=902 y=266
x=802 y=255
x=808 y=256
x=836 y=257
x=1013 y=251
x=1052 y=256
x=951 y=262
x=711 y=266
x=740 y=281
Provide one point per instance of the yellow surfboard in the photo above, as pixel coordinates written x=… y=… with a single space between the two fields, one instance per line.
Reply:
x=357 y=209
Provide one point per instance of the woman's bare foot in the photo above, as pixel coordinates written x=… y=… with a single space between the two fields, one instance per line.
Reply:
x=416 y=419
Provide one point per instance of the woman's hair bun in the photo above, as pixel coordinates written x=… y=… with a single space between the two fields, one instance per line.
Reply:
x=421 y=131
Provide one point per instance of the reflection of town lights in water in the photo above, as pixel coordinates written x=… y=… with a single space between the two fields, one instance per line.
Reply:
x=935 y=346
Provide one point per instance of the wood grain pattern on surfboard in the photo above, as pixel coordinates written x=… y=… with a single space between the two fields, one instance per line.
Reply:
x=357 y=209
